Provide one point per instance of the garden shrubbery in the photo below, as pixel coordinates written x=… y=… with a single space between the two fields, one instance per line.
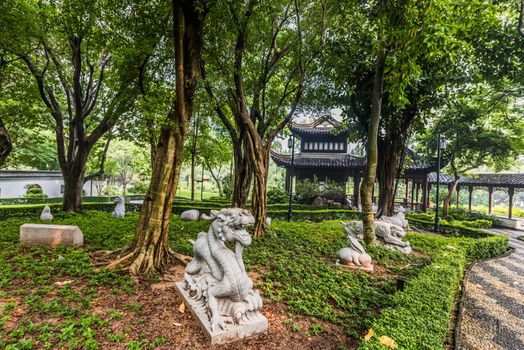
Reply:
x=420 y=315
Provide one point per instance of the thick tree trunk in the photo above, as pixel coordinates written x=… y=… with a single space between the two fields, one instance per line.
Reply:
x=389 y=154
x=243 y=175
x=73 y=184
x=6 y=146
x=73 y=174
x=368 y=179
x=447 y=201
x=149 y=251
x=259 y=199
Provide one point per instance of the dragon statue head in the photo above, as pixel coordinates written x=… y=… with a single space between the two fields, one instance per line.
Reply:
x=230 y=224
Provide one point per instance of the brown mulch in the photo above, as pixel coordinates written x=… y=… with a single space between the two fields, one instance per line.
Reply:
x=160 y=317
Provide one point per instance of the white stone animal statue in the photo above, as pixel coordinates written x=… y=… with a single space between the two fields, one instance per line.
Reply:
x=354 y=255
x=388 y=234
x=46 y=214
x=190 y=215
x=120 y=208
x=398 y=219
x=217 y=278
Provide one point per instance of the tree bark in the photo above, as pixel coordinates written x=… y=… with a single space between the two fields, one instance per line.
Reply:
x=6 y=146
x=368 y=179
x=452 y=189
x=389 y=154
x=259 y=199
x=149 y=251
x=243 y=174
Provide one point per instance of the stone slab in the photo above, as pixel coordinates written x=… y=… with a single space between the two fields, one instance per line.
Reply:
x=517 y=224
x=232 y=332
x=51 y=235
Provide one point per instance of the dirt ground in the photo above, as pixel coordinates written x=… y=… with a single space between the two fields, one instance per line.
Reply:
x=160 y=317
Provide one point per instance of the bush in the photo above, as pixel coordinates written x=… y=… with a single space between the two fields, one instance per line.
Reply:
x=277 y=195
x=419 y=317
x=307 y=190
x=34 y=191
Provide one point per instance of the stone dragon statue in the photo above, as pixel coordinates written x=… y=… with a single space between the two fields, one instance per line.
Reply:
x=217 y=277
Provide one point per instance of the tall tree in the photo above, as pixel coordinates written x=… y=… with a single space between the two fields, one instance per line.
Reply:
x=85 y=69
x=265 y=60
x=149 y=250
x=482 y=128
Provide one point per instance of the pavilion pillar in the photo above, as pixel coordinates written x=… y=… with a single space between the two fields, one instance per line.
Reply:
x=406 y=197
x=470 y=196
x=425 y=194
x=417 y=195
x=511 y=192
x=458 y=196
x=412 y=194
x=490 y=199
x=356 y=187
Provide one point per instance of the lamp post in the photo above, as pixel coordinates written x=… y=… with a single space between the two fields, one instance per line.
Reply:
x=440 y=147
x=291 y=145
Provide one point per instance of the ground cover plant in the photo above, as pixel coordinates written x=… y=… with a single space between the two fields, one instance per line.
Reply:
x=59 y=299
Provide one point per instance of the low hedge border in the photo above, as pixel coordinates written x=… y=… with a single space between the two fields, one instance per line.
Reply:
x=422 y=312
x=28 y=210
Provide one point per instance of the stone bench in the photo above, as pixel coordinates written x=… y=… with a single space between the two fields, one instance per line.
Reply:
x=51 y=235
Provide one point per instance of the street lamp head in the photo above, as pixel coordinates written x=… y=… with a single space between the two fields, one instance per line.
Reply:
x=290 y=142
x=443 y=144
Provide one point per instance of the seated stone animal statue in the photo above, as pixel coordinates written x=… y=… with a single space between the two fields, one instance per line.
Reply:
x=388 y=234
x=120 y=208
x=355 y=255
x=190 y=215
x=46 y=214
x=216 y=276
x=398 y=219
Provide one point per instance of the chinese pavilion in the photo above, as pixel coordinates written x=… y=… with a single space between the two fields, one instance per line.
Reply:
x=324 y=153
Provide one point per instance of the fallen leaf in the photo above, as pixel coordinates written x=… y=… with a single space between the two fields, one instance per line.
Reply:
x=177 y=324
x=182 y=308
x=368 y=336
x=387 y=341
x=60 y=284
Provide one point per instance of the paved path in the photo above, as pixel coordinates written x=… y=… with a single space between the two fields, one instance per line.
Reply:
x=493 y=306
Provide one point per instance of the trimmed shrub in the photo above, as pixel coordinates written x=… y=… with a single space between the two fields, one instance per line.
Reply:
x=419 y=319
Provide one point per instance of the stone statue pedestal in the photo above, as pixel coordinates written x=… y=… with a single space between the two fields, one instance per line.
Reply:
x=354 y=267
x=257 y=323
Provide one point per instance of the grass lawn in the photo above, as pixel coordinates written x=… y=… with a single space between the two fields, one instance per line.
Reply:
x=56 y=299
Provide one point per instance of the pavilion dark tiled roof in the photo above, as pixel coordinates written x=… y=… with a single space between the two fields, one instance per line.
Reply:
x=337 y=160
x=330 y=160
x=316 y=127
x=484 y=180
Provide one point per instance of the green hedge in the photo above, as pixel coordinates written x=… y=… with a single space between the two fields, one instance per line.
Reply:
x=419 y=319
x=28 y=210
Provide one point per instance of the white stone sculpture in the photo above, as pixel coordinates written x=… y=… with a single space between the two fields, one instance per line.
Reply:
x=120 y=208
x=354 y=256
x=398 y=219
x=190 y=215
x=388 y=234
x=46 y=214
x=216 y=285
